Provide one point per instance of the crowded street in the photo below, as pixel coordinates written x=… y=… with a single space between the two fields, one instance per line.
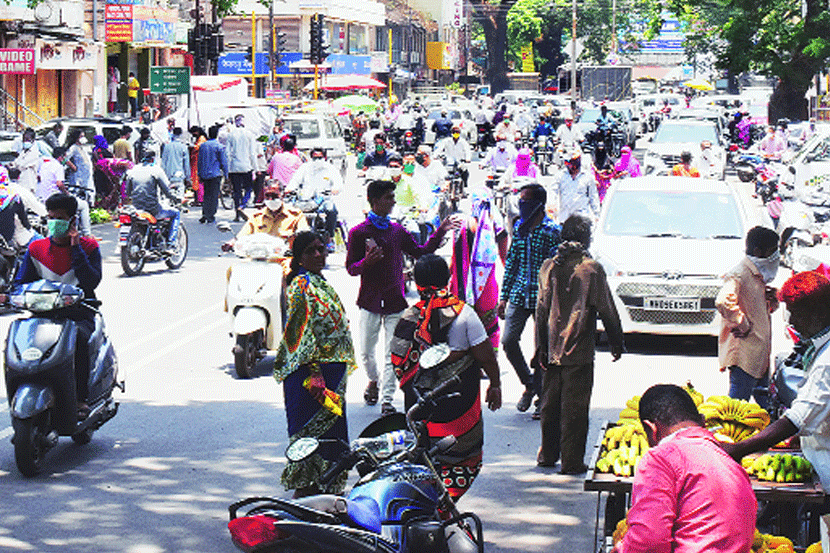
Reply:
x=191 y=437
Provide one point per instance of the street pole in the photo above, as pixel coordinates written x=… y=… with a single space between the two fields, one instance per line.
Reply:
x=389 y=43
x=253 y=54
x=573 y=51
x=271 y=47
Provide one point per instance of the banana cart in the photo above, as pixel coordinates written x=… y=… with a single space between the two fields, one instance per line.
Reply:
x=789 y=495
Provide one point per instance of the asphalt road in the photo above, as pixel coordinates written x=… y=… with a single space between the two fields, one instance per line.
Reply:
x=190 y=438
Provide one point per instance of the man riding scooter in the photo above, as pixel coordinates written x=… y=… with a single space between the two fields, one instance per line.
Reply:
x=69 y=258
x=143 y=185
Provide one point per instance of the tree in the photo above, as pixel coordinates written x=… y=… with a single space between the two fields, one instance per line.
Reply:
x=786 y=39
x=493 y=19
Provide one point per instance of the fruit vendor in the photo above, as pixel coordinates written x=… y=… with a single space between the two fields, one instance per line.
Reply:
x=807 y=296
x=688 y=495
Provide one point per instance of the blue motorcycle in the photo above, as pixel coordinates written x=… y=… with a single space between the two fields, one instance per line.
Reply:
x=399 y=505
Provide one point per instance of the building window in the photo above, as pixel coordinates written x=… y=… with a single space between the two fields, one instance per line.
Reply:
x=357 y=40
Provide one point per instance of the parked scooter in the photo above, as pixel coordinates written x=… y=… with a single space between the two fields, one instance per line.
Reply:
x=254 y=298
x=399 y=505
x=40 y=372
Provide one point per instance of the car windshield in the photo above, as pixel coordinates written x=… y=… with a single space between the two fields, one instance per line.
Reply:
x=677 y=134
x=685 y=214
x=303 y=128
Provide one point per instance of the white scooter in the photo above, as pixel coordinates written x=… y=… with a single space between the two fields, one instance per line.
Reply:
x=254 y=298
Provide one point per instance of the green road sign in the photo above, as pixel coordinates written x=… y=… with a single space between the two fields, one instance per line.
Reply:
x=170 y=80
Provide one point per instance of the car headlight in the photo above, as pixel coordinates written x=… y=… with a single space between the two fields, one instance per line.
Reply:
x=611 y=268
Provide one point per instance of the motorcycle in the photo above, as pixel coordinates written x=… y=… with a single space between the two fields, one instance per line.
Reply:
x=399 y=504
x=544 y=153
x=484 y=139
x=254 y=298
x=143 y=238
x=409 y=143
x=40 y=372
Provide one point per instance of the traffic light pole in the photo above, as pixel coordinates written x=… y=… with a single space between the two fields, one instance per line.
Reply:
x=271 y=47
x=253 y=55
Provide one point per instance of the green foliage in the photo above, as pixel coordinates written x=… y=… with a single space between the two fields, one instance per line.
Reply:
x=227 y=7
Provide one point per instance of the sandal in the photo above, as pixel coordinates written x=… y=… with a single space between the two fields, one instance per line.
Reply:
x=370 y=396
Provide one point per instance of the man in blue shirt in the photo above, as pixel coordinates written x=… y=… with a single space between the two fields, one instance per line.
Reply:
x=175 y=161
x=212 y=166
x=535 y=238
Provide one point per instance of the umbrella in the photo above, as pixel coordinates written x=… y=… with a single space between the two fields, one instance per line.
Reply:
x=355 y=102
x=699 y=84
x=345 y=82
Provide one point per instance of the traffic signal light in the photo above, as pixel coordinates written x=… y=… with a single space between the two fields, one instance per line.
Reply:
x=279 y=47
x=316 y=39
x=249 y=55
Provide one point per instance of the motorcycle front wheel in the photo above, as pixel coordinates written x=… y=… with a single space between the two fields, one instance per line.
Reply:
x=132 y=259
x=180 y=250
x=246 y=354
x=29 y=448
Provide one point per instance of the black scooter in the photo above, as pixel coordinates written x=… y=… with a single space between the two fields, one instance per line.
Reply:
x=40 y=372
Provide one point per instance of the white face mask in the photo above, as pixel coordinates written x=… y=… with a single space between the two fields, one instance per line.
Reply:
x=767 y=266
x=395 y=171
x=318 y=163
x=83 y=140
x=273 y=205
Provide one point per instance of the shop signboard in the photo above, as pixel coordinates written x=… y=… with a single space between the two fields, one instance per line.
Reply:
x=65 y=55
x=169 y=80
x=154 y=25
x=17 y=61
x=15 y=10
x=347 y=64
x=234 y=63
x=119 y=23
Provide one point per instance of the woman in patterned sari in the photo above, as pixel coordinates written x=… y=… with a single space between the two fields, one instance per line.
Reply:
x=313 y=362
x=441 y=317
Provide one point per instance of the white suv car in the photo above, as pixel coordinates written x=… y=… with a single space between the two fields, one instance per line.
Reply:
x=665 y=243
x=318 y=130
x=674 y=136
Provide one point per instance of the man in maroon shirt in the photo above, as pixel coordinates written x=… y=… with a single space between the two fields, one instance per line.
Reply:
x=375 y=253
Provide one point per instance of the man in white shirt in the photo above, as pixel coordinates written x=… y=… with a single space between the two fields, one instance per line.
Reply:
x=706 y=160
x=241 y=146
x=431 y=170
x=568 y=136
x=772 y=146
x=28 y=160
x=52 y=175
x=316 y=181
x=456 y=148
x=807 y=295
x=577 y=190
x=500 y=158
x=506 y=130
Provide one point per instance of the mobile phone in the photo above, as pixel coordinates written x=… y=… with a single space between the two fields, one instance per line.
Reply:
x=370 y=243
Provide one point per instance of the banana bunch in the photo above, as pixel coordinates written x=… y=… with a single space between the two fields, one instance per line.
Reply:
x=732 y=432
x=814 y=548
x=767 y=543
x=631 y=412
x=779 y=467
x=622 y=528
x=623 y=445
x=737 y=419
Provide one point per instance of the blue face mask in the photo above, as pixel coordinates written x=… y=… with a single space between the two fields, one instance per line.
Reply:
x=57 y=227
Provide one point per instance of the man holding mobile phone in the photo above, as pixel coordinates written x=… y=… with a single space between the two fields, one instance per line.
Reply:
x=375 y=253
x=69 y=258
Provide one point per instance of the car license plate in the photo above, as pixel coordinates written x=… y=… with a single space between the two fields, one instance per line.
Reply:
x=671 y=304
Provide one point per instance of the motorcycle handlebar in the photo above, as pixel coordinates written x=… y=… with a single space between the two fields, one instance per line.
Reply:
x=429 y=398
x=344 y=463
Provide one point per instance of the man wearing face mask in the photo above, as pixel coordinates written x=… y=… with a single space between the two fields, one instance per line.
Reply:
x=28 y=161
x=431 y=170
x=577 y=190
x=69 y=258
x=455 y=147
x=745 y=302
x=535 y=238
x=379 y=156
x=144 y=183
x=500 y=158
x=316 y=181
x=277 y=219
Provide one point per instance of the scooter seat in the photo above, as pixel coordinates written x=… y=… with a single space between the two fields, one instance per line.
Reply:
x=364 y=512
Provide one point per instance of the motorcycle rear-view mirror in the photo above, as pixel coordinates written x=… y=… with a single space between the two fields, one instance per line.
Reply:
x=301 y=449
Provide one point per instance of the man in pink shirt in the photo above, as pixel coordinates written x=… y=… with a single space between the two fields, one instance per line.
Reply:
x=285 y=163
x=688 y=494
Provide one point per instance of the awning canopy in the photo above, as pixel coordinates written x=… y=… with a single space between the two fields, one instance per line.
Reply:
x=345 y=82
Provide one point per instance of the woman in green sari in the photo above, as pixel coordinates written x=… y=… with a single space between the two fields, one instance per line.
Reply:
x=313 y=362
